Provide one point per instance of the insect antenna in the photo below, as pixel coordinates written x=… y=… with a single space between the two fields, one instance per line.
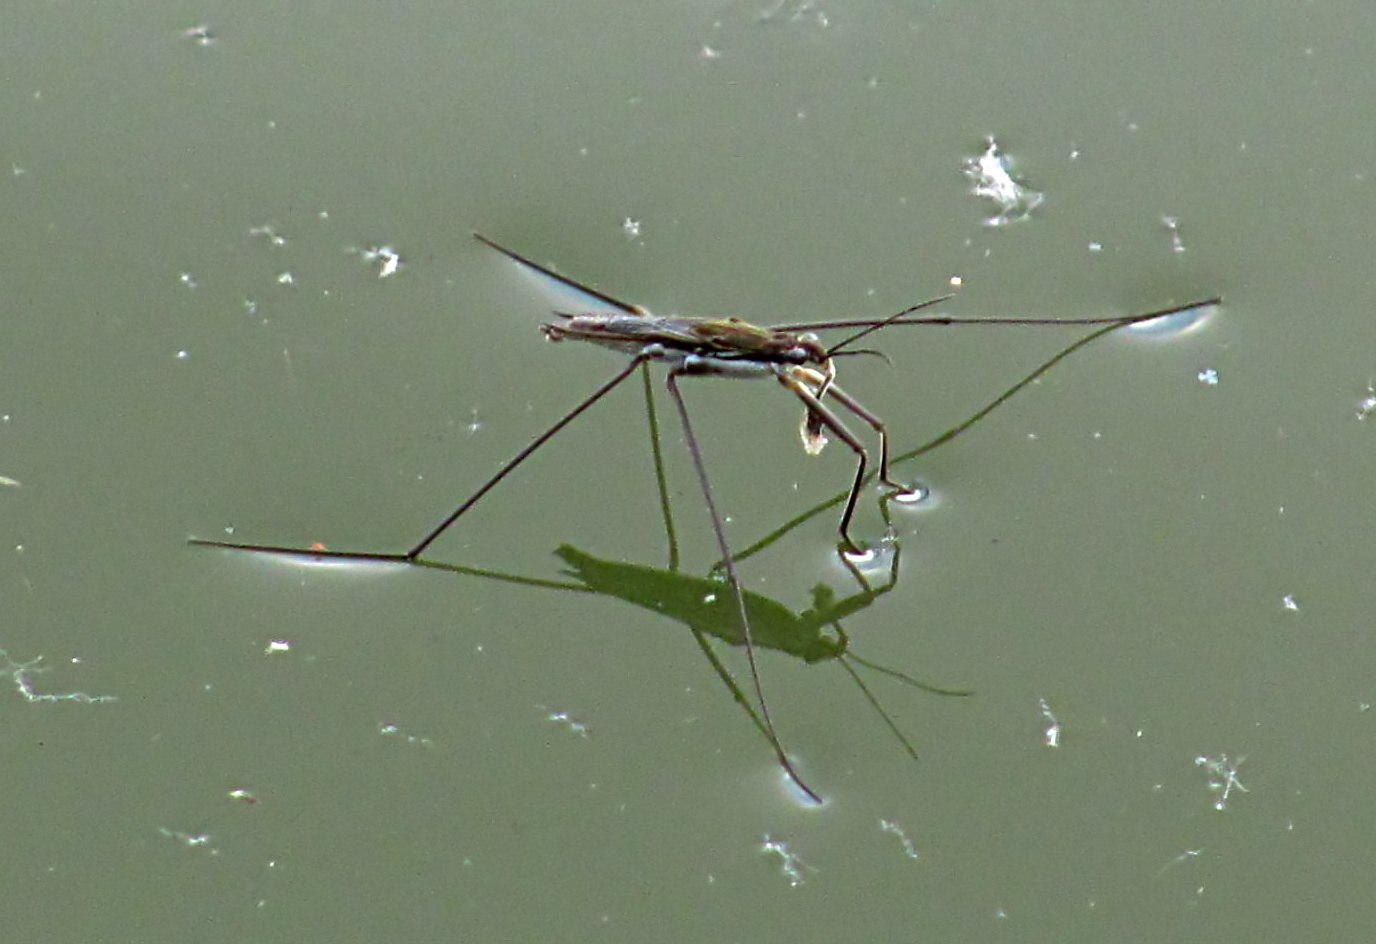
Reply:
x=864 y=350
x=873 y=326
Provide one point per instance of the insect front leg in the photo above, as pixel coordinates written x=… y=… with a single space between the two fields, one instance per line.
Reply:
x=800 y=382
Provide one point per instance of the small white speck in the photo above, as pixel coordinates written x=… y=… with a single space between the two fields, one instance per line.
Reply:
x=1052 y=736
x=1290 y=603
x=1367 y=404
x=630 y=227
x=199 y=34
x=386 y=259
x=286 y=278
x=889 y=826
x=1208 y=377
x=1172 y=225
x=1223 y=778
x=266 y=231
x=187 y=279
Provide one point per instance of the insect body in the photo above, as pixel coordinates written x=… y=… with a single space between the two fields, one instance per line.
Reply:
x=730 y=348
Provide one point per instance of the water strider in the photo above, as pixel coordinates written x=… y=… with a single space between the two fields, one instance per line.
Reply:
x=792 y=354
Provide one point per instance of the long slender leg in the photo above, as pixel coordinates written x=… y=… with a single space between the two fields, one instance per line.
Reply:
x=510 y=465
x=574 y=284
x=709 y=497
x=874 y=423
x=412 y=556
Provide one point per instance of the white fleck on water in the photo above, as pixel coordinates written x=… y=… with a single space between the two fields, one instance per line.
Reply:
x=1367 y=404
x=790 y=864
x=1222 y=777
x=993 y=177
x=1172 y=225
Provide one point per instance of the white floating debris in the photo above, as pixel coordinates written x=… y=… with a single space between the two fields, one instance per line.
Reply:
x=796 y=11
x=387 y=729
x=20 y=672
x=789 y=863
x=630 y=227
x=1288 y=601
x=385 y=259
x=1222 y=777
x=1367 y=404
x=1052 y=735
x=566 y=720
x=1208 y=377
x=992 y=176
x=190 y=840
x=268 y=232
x=200 y=34
x=893 y=828
x=1172 y=225
x=277 y=646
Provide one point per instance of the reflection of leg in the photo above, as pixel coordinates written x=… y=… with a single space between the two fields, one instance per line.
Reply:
x=661 y=481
